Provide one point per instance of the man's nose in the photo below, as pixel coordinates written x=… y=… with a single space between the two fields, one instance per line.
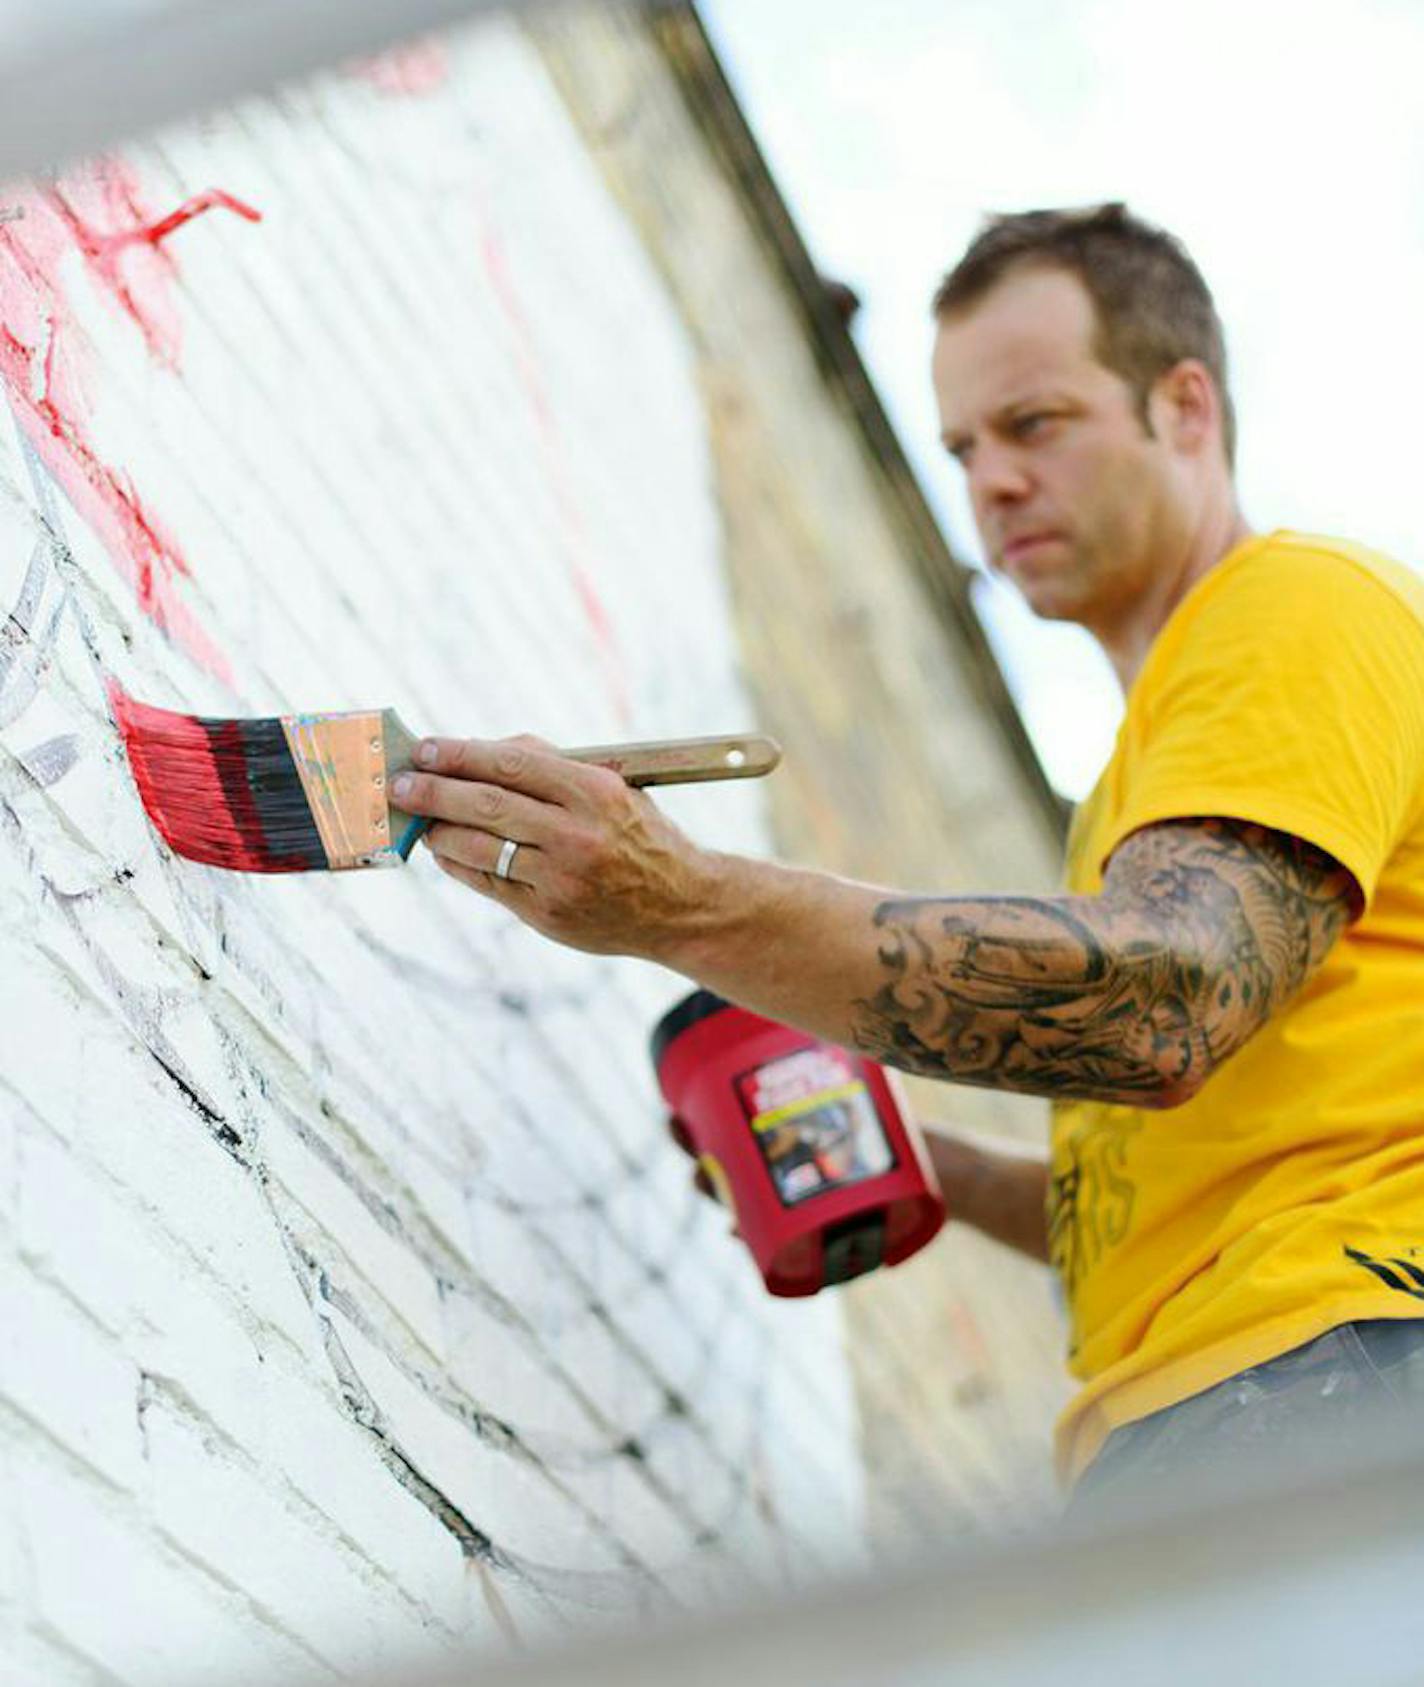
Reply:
x=997 y=476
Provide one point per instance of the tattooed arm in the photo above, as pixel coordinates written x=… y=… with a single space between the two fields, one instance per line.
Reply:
x=1202 y=930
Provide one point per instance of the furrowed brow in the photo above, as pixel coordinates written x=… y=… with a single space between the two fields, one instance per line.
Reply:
x=954 y=440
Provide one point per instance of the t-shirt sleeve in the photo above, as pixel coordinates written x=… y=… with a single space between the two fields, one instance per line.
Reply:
x=1292 y=696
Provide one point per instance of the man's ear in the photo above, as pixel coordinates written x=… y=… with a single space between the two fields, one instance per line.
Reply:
x=1185 y=406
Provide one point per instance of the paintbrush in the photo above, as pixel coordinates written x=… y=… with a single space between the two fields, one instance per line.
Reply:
x=298 y=793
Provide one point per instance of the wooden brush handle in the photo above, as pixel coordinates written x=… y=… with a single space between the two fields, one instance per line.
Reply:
x=683 y=761
x=667 y=761
x=663 y=761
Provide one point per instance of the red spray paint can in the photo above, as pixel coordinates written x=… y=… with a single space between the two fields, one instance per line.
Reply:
x=809 y=1145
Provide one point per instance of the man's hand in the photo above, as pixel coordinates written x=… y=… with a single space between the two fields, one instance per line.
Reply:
x=598 y=867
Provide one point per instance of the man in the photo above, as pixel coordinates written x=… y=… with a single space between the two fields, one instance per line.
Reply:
x=1227 y=1006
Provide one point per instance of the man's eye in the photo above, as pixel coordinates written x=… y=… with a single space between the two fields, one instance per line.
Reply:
x=1025 y=427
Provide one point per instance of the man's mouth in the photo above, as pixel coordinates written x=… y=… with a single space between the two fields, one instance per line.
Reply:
x=1015 y=548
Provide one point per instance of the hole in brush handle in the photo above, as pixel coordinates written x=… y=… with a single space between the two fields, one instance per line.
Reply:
x=684 y=761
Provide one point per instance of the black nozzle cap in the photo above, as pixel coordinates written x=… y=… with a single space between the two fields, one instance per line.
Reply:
x=701 y=1004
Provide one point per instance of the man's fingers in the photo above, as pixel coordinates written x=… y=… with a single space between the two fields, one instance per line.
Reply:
x=522 y=764
x=457 y=870
x=489 y=808
x=507 y=891
x=480 y=852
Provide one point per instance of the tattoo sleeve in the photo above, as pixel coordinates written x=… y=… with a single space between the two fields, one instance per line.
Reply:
x=1202 y=930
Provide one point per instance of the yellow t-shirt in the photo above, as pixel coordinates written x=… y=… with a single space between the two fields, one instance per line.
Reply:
x=1288 y=1195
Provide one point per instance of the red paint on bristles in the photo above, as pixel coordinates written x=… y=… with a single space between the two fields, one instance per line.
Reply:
x=178 y=781
x=192 y=779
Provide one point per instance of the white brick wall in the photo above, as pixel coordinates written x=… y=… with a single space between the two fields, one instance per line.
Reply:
x=354 y=1305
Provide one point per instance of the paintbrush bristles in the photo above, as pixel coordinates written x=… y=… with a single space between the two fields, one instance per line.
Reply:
x=225 y=792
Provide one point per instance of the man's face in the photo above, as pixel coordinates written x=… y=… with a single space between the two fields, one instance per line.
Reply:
x=1071 y=495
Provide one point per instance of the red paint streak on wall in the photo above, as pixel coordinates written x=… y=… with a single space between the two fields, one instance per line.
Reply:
x=531 y=378
x=211 y=199
x=99 y=204
x=43 y=368
x=417 y=67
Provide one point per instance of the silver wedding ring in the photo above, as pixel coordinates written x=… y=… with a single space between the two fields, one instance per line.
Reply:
x=506 y=858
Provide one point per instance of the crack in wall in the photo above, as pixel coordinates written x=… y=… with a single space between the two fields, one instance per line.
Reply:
x=474 y=1543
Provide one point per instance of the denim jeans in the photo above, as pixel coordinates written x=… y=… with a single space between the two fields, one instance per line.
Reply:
x=1348 y=1392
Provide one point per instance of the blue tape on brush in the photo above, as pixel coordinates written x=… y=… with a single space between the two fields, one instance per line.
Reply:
x=411 y=836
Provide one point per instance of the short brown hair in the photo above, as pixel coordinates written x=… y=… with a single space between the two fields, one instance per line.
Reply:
x=1152 y=305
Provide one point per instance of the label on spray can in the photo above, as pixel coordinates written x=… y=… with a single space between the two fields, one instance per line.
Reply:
x=815 y=1123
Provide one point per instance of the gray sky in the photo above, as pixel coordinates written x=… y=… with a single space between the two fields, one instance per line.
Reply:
x=1282 y=141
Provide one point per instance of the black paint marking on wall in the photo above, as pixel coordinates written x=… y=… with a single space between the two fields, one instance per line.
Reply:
x=222 y=1132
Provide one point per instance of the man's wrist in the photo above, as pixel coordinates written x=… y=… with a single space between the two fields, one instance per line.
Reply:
x=687 y=940
x=999 y=1189
x=958 y=1166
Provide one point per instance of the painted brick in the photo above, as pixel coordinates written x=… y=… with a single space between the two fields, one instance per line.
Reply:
x=587 y=1348
x=660 y=1520
x=33 y=1657
x=220 y=1512
x=485 y=1481
x=173 y=1326
x=133 y=1607
x=67 y=1377
x=336 y=1218
x=9 y=1180
x=518 y=1380
x=511 y=1261
x=15 y=1593
x=157 y=1201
